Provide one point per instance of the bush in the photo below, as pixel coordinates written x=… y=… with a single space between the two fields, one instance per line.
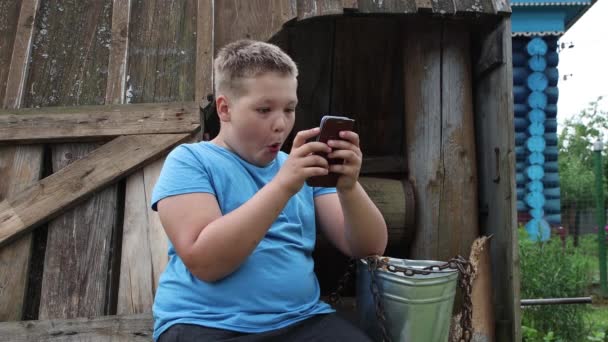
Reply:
x=550 y=271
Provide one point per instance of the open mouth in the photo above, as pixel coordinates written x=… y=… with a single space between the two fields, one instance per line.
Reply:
x=274 y=147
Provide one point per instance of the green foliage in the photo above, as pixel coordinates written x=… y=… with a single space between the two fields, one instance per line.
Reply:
x=575 y=159
x=550 y=271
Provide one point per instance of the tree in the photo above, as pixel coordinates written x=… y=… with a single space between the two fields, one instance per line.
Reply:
x=575 y=159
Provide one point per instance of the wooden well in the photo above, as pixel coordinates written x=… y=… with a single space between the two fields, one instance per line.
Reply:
x=111 y=86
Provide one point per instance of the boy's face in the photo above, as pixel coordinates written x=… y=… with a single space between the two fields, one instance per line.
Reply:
x=257 y=123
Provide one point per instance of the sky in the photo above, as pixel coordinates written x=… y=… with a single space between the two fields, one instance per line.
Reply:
x=585 y=65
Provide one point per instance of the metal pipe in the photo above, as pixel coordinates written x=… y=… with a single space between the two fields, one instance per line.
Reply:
x=555 y=301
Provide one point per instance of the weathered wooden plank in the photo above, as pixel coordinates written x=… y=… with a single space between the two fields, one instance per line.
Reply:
x=422 y=79
x=162 y=51
x=75 y=182
x=20 y=166
x=117 y=65
x=77 y=260
x=502 y=7
x=491 y=55
x=255 y=19
x=204 y=50
x=68 y=68
x=367 y=84
x=184 y=36
x=311 y=47
x=474 y=6
x=55 y=124
x=316 y=8
x=9 y=14
x=71 y=69
x=21 y=49
x=455 y=231
x=144 y=252
x=100 y=329
x=387 y=6
x=494 y=112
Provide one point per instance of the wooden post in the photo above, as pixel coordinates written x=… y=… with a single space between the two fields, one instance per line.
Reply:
x=20 y=166
x=497 y=196
x=161 y=68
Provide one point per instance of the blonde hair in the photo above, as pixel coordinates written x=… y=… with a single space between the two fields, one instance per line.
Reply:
x=247 y=58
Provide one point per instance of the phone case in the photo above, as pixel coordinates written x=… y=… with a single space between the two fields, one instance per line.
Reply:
x=330 y=128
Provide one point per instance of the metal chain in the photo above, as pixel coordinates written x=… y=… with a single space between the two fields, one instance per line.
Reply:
x=458 y=263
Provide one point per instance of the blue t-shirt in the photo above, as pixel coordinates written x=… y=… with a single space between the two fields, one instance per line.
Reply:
x=276 y=285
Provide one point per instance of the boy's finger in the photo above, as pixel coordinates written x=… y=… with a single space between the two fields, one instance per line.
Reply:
x=302 y=136
x=350 y=136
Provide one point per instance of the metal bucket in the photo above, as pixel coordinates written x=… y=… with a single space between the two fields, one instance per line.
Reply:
x=417 y=308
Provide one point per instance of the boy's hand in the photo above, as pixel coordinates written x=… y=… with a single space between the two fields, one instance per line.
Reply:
x=347 y=149
x=302 y=162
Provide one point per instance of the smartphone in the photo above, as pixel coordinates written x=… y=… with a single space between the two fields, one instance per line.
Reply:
x=331 y=126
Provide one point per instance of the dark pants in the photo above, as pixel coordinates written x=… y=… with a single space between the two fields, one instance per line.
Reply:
x=326 y=327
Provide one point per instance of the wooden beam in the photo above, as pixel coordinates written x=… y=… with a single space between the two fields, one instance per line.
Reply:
x=204 y=50
x=100 y=329
x=62 y=124
x=21 y=54
x=117 y=66
x=65 y=188
x=497 y=195
x=20 y=166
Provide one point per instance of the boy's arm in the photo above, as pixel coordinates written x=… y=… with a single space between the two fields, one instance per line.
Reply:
x=352 y=222
x=211 y=245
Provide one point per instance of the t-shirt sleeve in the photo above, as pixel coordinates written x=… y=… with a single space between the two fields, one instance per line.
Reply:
x=323 y=191
x=182 y=173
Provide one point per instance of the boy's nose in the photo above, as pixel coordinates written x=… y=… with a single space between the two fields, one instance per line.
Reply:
x=279 y=124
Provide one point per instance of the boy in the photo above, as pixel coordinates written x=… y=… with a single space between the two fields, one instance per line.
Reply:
x=241 y=219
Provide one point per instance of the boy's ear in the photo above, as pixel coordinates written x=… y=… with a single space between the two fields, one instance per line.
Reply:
x=222 y=106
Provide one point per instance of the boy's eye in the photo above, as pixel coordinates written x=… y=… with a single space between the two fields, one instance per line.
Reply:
x=263 y=110
x=290 y=110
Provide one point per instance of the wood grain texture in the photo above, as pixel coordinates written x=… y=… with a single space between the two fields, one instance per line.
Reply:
x=316 y=8
x=254 y=19
x=173 y=39
x=367 y=86
x=387 y=6
x=75 y=182
x=497 y=196
x=60 y=124
x=117 y=65
x=70 y=71
x=422 y=79
x=204 y=50
x=9 y=15
x=77 y=260
x=162 y=51
x=144 y=252
x=458 y=214
x=21 y=50
x=20 y=166
x=133 y=328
